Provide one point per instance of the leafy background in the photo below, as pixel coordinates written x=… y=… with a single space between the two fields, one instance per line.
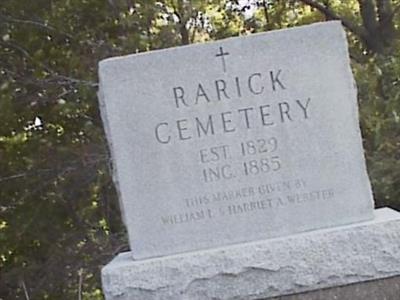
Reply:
x=59 y=215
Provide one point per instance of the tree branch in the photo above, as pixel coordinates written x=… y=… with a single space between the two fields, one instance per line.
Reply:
x=25 y=290
x=66 y=80
x=355 y=29
x=16 y=47
x=80 y=274
x=40 y=25
x=54 y=78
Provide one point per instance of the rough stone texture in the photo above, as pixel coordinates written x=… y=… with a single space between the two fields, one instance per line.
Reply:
x=282 y=266
x=183 y=188
x=383 y=289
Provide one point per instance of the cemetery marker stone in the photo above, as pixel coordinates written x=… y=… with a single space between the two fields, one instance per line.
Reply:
x=221 y=146
x=235 y=140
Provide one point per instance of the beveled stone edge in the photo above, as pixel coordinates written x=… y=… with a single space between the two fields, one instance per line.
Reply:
x=124 y=276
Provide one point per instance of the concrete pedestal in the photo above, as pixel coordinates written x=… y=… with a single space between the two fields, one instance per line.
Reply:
x=323 y=259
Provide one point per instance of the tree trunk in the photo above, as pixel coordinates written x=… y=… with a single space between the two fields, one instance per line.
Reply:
x=378 y=31
x=182 y=24
x=370 y=22
x=386 y=22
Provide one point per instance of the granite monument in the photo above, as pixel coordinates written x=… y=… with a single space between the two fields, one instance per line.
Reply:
x=239 y=163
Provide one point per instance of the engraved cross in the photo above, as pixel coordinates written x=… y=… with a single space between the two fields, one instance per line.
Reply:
x=222 y=54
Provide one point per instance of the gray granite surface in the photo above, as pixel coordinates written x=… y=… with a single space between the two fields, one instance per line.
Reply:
x=299 y=263
x=236 y=140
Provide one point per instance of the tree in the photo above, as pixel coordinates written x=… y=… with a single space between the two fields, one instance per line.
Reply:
x=59 y=218
x=378 y=31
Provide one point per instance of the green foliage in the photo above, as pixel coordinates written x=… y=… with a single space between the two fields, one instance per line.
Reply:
x=59 y=219
x=379 y=98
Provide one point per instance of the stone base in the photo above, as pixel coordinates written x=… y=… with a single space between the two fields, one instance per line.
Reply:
x=381 y=289
x=300 y=263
